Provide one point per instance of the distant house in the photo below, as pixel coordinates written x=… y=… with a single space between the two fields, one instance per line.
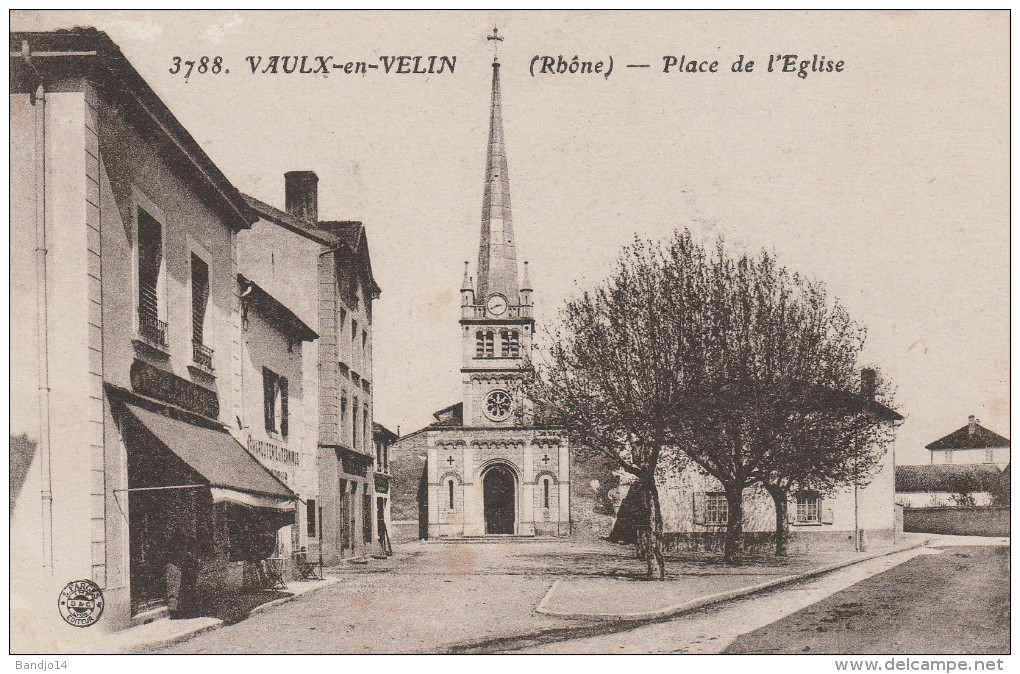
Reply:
x=971 y=444
x=940 y=485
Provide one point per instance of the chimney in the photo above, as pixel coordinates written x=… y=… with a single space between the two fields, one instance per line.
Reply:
x=972 y=422
x=868 y=379
x=302 y=195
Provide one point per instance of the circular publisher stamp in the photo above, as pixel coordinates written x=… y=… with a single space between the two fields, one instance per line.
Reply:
x=81 y=603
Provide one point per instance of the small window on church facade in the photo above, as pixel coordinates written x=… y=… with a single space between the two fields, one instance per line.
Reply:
x=545 y=493
x=484 y=344
x=450 y=483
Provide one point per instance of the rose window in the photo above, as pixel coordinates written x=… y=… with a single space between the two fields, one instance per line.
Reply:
x=497 y=405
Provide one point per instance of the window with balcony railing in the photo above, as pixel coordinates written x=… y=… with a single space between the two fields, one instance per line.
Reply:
x=201 y=354
x=150 y=264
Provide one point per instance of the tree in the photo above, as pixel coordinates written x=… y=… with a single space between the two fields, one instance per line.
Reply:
x=838 y=441
x=686 y=355
x=772 y=375
x=617 y=371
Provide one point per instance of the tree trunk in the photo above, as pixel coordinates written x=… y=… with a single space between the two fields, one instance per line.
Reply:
x=734 y=526
x=650 y=540
x=782 y=537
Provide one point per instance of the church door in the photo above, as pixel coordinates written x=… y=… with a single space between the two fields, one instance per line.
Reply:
x=499 y=491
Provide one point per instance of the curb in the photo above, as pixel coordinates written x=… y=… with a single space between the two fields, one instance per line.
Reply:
x=186 y=636
x=327 y=582
x=719 y=597
x=172 y=641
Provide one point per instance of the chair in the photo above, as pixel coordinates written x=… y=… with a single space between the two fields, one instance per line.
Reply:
x=307 y=569
x=273 y=572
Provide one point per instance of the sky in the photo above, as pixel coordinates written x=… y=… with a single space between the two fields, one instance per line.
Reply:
x=888 y=181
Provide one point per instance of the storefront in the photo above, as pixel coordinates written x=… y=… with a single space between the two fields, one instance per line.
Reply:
x=202 y=511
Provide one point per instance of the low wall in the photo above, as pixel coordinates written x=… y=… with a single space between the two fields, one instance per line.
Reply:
x=763 y=542
x=402 y=531
x=957 y=521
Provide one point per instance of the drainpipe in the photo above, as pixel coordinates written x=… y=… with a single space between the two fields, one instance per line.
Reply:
x=42 y=316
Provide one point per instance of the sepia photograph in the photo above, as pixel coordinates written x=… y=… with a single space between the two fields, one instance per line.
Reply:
x=510 y=332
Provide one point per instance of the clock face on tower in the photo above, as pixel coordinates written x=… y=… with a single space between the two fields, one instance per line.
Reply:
x=496 y=304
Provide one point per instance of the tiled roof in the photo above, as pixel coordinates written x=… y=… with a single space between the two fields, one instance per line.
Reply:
x=962 y=438
x=954 y=478
x=449 y=416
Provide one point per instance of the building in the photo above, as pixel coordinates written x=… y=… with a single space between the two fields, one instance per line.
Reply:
x=321 y=271
x=971 y=444
x=126 y=338
x=382 y=438
x=695 y=510
x=489 y=469
x=273 y=421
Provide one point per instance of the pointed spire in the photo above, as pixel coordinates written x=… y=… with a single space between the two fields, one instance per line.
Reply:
x=525 y=280
x=466 y=283
x=497 y=255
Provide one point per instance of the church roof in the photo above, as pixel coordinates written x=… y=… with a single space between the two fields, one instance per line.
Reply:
x=497 y=255
x=449 y=416
x=971 y=436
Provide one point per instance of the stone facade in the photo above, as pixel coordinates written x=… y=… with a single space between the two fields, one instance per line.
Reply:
x=489 y=468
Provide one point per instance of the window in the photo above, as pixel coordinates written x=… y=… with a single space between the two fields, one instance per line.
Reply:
x=808 y=508
x=285 y=416
x=354 y=424
x=545 y=493
x=199 y=298
x=510 y=344
x=343 y=319
x=367 y=428
x=150 y=264
x=450 y=484
x=484 y=347
x=343 y=410
x=201 y=354
x=364 y=339
x=366 y=515
x=354 y=331
x=717 y=509
x=275 y=403
x=310 y=517
x=497 y=405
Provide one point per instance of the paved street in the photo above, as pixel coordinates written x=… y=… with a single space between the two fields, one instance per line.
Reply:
x=481 y=598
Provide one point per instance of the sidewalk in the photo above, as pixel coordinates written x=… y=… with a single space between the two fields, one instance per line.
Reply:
x=632 y=599
x=166 y=632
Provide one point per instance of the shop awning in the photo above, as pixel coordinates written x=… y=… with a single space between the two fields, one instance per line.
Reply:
x=232 y=473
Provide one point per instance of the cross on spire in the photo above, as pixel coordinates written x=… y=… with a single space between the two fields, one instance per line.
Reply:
x=496 y=39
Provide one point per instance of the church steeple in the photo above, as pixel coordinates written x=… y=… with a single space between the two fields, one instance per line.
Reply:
x=497 y=255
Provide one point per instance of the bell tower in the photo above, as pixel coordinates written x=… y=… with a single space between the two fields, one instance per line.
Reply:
x=497 y=323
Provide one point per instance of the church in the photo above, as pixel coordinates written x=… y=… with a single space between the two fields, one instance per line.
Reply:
x=489 y=469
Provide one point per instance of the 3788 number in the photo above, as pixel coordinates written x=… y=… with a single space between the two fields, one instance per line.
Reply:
x=213 y=65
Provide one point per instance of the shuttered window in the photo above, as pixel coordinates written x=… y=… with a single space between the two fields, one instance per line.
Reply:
x=199 y=298
x=150 y=259
x=269 y=383
x=284 y=407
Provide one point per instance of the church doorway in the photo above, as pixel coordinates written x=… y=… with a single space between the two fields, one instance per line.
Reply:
x=499 y=491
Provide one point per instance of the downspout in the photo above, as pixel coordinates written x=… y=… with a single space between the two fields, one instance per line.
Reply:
x=42 y=316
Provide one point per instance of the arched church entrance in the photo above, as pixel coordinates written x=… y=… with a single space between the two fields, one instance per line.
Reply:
x=499 y=488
